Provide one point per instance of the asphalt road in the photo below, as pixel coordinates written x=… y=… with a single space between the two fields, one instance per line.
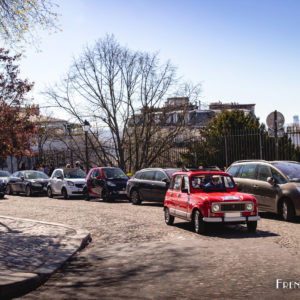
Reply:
x=134 y=255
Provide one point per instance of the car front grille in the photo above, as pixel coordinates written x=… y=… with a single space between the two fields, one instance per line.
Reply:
x=232 y=206
x=79 y=185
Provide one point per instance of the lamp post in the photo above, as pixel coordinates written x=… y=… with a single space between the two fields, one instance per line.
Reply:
x=86 y=128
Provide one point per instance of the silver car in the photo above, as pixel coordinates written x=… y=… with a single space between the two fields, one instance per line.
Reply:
x=67 y=182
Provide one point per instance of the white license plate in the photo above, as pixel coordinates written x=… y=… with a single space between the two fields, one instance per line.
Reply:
x=233 y=214
x=122 y=192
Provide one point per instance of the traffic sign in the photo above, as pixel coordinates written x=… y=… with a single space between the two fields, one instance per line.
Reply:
x=273 y=118
x=280 y=132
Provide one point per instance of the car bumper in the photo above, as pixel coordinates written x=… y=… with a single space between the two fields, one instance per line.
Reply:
x=231 y=219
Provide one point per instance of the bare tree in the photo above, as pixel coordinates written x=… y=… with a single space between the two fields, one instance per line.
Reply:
x=120 y=92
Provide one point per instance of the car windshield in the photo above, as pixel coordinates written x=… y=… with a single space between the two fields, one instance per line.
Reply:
x=4 y=174
x=114 y=173
x=74 y=173
x=212 y=181
x=290 y=169
x=35 y=175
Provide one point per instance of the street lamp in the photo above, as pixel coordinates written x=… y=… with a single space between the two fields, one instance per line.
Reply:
x=86 y=128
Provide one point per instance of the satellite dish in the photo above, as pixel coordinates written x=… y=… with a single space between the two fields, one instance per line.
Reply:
x=271 y=120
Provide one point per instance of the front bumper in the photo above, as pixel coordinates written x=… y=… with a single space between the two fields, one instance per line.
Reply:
x=231 y=219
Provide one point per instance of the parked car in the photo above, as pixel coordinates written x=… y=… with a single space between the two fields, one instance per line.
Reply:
x=28 y=182
x=275 y=184
x=2 y=188
x=107 y=183
x=149 y=184
x=204 y=197
x=4 y=175
x=66 y=182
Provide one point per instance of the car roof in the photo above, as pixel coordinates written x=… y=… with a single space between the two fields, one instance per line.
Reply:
x=263 y=161
x=159 y=169
x=199 y=172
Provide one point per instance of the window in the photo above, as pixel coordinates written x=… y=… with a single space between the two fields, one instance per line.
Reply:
x=233 y=171
x=177 y=183
x=185 y=184
x=278 y=177
x=247 y=171
x=263 y=172
x=137 y=175
x=58 y=173
x=159 y=176
x=148 y=175
x=96 y=173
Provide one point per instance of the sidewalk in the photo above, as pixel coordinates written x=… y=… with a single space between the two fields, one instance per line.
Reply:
x=30 y=251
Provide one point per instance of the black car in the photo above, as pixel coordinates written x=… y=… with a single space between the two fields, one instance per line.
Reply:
x=149 y=184
x=107 y=183
x=28 y=182
x=2 y=188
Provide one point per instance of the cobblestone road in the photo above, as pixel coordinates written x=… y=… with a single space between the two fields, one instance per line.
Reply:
x=134 y=255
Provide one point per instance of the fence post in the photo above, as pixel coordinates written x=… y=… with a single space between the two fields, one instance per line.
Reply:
x=226 y=155
x=260 y=146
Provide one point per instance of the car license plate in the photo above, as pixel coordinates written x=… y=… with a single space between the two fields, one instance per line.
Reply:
x=122 y=192
x=233 y=214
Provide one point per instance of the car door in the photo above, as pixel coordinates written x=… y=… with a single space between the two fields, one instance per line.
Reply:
x=263 y=190
x=244 y=178
x=14 y=181
x=176 y=195
x=57 y=181
x=160 y=186
x=146 y=185
x=98 y=182
x=172 y=193
x=183 y=198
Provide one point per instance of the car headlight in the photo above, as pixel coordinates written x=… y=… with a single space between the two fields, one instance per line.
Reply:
x=70 y=183
x=249 y=206
x=215 y=207
x=111 y=183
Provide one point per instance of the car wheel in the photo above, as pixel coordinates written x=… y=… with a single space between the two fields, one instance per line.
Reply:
x=104 y=196
x=287 y=210
x=28 y=191
x=8 y=190
x=49 y=192
x=199 y=225
x=168 y=218
x=251 y=226
x=135 y=198
x=65 y=193
x=87 y=195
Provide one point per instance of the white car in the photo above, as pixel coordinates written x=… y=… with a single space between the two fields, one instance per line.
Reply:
x=66 y=182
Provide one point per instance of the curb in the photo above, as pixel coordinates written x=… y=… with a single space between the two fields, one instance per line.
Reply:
x=14 y=284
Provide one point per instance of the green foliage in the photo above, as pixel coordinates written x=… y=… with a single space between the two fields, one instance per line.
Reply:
x=209 y=149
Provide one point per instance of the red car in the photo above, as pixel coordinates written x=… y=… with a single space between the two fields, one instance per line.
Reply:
x=204 y=197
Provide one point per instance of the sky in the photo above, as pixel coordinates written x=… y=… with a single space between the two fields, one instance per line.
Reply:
x=244 y=51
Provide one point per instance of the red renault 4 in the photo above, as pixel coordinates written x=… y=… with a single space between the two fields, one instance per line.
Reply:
x=204 y=197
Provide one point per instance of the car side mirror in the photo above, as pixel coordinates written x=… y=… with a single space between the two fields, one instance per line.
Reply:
x=271 y=180
x=22 y=178
x=59 y=177
x=185 y=191
x=166 y=180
